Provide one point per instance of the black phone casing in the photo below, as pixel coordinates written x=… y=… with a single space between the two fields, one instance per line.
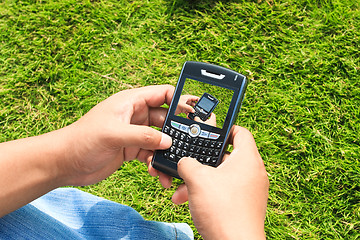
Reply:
x=180 y=129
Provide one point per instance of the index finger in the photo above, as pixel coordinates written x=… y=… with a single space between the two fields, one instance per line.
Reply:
x=155 y=96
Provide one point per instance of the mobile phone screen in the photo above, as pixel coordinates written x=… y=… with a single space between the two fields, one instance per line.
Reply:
x=206 y=104
x=191 y=94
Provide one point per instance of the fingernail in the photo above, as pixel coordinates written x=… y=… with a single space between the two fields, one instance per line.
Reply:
x=166 y=141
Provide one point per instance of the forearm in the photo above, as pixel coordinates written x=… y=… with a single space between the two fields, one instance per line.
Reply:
x=236 y=226
x=29 y=169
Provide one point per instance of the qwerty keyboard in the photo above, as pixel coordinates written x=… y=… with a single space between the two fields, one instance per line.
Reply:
x=204 y=147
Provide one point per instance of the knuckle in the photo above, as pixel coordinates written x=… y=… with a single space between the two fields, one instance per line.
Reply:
x=245 y=132
x=148 y=136
x=263 y=176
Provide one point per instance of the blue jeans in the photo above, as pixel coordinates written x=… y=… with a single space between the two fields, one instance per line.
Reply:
x=67 y=213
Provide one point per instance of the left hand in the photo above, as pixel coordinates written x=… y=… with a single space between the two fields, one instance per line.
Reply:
x=114 y=131
x=186 y=104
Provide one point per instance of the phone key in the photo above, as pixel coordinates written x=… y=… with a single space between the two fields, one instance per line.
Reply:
x=194 y=141
x=204 y=134
x=180 y=144
x=212 y=144
x=166 y=129
x=213 y=160
x=194 y=130
x=218 y=144
x=191 y=148
x=172 y=132
x=184 y=128
x=207 y=159
x=207 y=143
x=177 y=134
x=200 y=142
x=198 y=149
x=182 y=136
x=172 y=149
x=172 y=157
x=183 y=153
x=186 y=146
x=203 y=151
x=214 y=136
x=187 y=138
x=175 y=124
x=203 y=117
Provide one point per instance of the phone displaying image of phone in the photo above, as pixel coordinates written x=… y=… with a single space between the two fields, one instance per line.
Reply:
x=204 y=107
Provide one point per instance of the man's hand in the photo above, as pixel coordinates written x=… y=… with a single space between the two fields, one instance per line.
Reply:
x=116 y=130
x=227 y=202
x=87 y=151
x=186 y=104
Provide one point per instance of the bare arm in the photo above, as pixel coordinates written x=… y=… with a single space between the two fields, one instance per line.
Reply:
x=88 y=151
x=27 y=169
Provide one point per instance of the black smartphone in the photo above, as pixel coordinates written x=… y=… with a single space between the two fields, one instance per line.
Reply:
x=218 y=93
x=204 y=107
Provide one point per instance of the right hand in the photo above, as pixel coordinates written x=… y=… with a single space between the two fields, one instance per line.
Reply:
x=211 y=121
x=227 y=202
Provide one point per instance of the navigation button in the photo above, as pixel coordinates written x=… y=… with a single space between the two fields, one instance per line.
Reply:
x=194 y=130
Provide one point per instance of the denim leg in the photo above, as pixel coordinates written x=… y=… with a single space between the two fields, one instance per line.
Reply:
x=68 y=213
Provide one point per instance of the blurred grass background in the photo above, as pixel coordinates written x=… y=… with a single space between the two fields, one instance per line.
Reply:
x=59 y=58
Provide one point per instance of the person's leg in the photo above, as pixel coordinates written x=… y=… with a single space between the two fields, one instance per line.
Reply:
x=67 y=213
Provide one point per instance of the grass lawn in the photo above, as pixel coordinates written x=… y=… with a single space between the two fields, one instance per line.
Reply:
x=59 y=58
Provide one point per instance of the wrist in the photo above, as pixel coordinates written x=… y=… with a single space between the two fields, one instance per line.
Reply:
x=238 y=231
x=54 y=147
x=63 y=155
x=29 y=169
x=234 y=225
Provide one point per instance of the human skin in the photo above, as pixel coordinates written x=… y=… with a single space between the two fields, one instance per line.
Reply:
x=87 y=151
x=186 y=104
x=227 y=202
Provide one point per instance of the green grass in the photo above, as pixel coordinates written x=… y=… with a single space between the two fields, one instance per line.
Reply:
x=59 y=58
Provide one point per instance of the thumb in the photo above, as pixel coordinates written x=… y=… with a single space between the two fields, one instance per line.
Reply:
x=186 y=168
x=143 y=137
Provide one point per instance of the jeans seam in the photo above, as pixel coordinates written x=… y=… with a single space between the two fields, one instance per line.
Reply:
x=176 y=235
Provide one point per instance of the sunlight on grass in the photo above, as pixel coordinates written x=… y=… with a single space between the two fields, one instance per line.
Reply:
x=59 y=58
